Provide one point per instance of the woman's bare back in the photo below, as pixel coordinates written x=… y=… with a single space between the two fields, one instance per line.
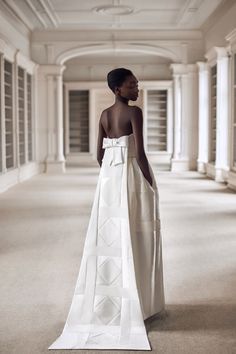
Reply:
x=116 y=122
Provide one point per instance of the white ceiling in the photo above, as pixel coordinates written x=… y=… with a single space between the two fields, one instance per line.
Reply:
x=108 y=14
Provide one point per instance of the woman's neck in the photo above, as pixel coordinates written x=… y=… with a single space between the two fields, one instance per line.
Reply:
x=122 y=100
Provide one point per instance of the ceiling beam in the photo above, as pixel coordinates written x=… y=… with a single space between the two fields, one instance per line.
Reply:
x=19 y=14
x=36 y=13
x=47 y=6
x=187 y=11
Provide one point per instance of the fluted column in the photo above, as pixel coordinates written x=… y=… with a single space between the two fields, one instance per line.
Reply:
x=204 y=118
x=185 y=117
x=222 y=116
x=219 y=56
x=231 y=178
x=50 y=120
x=177 y=116
x=50 y=84
x=59 y=126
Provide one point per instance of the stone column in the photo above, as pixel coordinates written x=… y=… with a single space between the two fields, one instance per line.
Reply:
x=51 y=117
x=222 y=116
x=59 y=124
x=50 y=120
x=170 y=122
x=219 y=56
x=192 y=116
x=204 y=118
x=177 y=118
x=185 y=117
x=231 y=38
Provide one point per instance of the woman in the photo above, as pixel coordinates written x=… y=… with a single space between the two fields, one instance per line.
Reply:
x=122 y=119
x=120 y=281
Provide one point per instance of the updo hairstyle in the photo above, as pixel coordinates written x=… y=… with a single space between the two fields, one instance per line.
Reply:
x=116 y=77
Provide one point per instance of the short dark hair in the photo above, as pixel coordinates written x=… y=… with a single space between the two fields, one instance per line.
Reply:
x=116 y=77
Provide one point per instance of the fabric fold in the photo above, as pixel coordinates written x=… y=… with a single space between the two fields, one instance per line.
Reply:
x=116 y=152
x=120 y=277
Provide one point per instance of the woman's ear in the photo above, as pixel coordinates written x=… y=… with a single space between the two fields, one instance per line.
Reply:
x=117 y=90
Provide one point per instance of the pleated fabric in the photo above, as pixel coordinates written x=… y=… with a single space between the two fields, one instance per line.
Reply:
x=120 y=280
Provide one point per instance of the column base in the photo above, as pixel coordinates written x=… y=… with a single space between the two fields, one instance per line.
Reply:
x=210 y=169
x=55 y=167
x=221 y=174
x=201 y=167
x=232 y=180
x=179 y=165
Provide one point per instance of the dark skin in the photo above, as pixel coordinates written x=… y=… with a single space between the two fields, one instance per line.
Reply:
x=121 y=119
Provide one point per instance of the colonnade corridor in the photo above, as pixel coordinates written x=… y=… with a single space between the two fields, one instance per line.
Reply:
x=43 y=224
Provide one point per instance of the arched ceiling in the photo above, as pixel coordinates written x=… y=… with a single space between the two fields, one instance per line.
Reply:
x=111 y=57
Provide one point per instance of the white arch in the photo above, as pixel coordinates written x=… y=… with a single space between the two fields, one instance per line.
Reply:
x=117 y=47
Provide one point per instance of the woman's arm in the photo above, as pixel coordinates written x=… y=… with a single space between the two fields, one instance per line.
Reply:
x=101 y=135
x=137 y=125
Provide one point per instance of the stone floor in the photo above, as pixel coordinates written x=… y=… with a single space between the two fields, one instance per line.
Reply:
x=43 y=222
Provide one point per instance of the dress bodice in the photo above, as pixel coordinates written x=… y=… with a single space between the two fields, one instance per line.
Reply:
x=115 y=148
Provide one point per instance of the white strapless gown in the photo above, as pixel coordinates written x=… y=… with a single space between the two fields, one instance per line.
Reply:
x=120 y=281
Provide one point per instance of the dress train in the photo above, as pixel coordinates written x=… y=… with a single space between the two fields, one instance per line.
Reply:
x=120 y=281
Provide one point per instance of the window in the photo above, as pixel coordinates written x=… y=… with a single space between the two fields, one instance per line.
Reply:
x=21 y=114
x=16 y=119
x=156 y=120
x=8 y=97
x=29 y=117
x=78 y=120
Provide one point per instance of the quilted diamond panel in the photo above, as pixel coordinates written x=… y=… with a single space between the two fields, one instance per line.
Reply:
x=109 y=232
x=107 y=309
x=109 y=271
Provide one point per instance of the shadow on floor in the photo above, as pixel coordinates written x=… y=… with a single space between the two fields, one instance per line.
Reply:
x=200 y=177
x=217 y=190
x=196 y=317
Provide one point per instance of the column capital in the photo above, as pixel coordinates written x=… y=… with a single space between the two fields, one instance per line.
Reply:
x=53 y=70
x=216 y=53
x=24 y=62
x=183 y=69
x=203 y=66
x=178 y=68
x=231 y=37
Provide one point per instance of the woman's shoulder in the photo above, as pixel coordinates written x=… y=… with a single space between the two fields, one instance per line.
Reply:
x=108 y=108
x=137 y=113
x=131 y=112
x=136 y=108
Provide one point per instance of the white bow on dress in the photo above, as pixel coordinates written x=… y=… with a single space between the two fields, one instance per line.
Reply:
x=116 y=146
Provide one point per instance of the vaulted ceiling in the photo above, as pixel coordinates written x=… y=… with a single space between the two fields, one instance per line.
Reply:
x=116 y=14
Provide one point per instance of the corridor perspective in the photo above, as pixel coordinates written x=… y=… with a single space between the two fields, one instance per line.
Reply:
x=54 y=59
x=43 y=224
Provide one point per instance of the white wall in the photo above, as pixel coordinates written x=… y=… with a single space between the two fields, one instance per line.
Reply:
x=225 y=23
x=98 y=72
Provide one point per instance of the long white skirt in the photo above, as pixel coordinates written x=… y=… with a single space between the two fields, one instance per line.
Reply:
x=120 y=281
